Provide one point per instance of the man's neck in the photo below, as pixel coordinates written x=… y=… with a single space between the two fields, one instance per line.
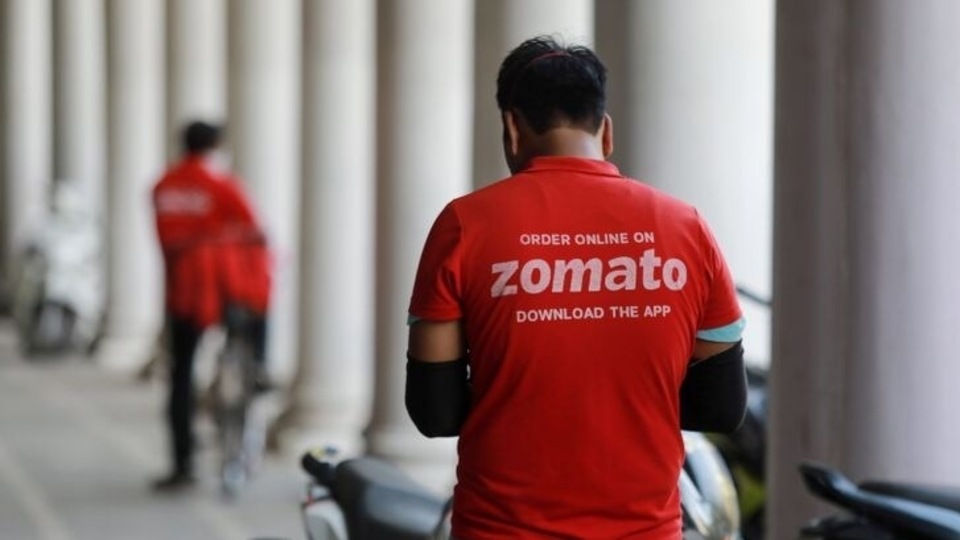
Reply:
x=568 y=142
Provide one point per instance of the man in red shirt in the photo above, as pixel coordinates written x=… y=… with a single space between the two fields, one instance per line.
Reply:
x=215 y=256
x=566 y=322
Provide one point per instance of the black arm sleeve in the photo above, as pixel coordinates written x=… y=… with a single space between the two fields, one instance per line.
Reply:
x=437 y=396
x=713 y=396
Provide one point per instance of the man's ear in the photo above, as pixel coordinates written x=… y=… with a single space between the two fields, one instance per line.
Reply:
x=606 y=136
x=511 y=133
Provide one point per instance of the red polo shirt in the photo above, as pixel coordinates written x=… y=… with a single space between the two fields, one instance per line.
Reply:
x=212 y=245
x=581 y=293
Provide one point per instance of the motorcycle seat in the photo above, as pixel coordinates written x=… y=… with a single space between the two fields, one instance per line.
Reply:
x=911 y=518
x=380 y=502
x=937 y=496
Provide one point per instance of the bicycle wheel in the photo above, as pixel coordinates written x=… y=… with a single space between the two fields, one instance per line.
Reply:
x=235 y=388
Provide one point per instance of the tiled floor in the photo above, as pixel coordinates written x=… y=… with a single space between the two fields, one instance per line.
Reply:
x=78 y=446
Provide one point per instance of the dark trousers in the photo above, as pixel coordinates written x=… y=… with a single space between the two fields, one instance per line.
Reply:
x=184 y=337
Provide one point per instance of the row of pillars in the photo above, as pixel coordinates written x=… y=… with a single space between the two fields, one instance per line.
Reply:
x=354 y=121
x=867 y=207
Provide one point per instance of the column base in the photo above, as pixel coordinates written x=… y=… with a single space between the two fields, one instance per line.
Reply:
x=125 y=354
x=296 y=440
x=298 y=429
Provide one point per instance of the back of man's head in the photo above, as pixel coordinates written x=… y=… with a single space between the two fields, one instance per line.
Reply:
x=552 y=85
x=201 y=137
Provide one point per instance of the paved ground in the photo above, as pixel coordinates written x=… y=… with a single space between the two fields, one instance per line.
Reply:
x=78 y=447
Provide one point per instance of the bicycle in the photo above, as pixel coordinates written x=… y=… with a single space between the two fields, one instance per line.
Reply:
x=233 y=392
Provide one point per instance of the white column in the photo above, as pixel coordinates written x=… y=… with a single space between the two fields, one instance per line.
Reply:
x=197 y=61
x=80 y=96
x=135 y=112
x=424 y=104
x=866 y=204
x=691 y=95
x=501 y=25
x=264 y=106
x=27 y=122
x=332 y=390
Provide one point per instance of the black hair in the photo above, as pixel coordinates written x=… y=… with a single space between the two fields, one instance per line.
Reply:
x=553 y=85
x=200 y=137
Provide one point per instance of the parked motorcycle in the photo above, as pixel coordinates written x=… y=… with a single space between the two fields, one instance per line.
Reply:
x=369 y=499
x=881 y=510
x=744 y=452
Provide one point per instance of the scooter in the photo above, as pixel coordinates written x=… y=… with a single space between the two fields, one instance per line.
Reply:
x=881 y=510
x=367 y=498
x=59 y=296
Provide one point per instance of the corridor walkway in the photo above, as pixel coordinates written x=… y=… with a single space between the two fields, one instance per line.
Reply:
x=78 y=447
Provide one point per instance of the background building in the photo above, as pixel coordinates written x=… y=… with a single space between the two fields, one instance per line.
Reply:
x=353 y=121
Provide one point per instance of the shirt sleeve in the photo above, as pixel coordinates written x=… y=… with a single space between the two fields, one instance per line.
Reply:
x=158 y=220
x=721 y=308
x=437 y=288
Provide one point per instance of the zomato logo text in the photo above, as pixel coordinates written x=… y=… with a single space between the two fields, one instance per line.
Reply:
x=578 y=275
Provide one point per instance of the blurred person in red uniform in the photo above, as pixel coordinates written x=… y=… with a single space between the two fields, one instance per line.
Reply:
x=567 y=322
x=215 y=255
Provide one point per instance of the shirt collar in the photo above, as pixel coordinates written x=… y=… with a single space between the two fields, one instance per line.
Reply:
x=195 y=161
x=571 y=164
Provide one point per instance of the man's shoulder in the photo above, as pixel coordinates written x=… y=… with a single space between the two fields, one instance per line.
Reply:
x=194 y=174
x=189 y=179
x=500 y=191
x=170 y=179
x=664 y=203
